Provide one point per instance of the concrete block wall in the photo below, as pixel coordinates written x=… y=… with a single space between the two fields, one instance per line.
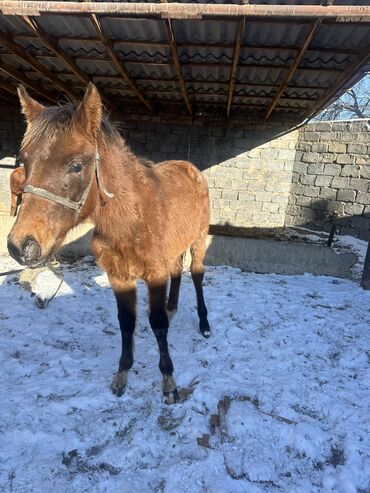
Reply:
x=248 y=170
x=258 y=177
x=332 y=175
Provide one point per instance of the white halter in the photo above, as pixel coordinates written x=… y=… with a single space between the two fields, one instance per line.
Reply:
x=65 y=201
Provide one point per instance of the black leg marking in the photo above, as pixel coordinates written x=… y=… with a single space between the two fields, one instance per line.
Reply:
x=173 y=297
x=159 y=323
x=126 y=302
x=202 y=309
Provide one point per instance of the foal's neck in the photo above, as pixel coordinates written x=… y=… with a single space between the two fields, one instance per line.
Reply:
x=121 y=174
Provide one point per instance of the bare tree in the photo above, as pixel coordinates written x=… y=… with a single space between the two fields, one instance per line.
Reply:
x=354 y=103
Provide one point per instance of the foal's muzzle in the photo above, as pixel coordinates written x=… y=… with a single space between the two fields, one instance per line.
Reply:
x=29 y=252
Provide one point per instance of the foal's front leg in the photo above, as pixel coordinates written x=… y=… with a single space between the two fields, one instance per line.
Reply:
x=125 y=292
x=159 y=323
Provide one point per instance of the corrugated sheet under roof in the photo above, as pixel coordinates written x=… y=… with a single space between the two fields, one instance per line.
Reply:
x=146 y=71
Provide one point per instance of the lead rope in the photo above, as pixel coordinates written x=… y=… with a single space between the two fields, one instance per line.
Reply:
x=98 y=178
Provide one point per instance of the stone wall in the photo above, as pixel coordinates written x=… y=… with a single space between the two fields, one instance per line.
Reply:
x=258 y=177
x=332 y=175
x=248 y=170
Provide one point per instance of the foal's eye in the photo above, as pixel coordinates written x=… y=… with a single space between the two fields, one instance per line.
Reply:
x=75 y=168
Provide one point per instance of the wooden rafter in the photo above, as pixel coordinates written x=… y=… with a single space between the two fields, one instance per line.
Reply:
x=9 y=88
x=19 y=76
x=176 y=60
x=347 y=76
x=118 y=64
x=234 y=68
x=52 y=43
x=297 y=60
x=6 y=40
x=315 y=26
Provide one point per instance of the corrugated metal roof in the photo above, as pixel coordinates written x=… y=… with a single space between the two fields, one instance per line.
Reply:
x=205 y=50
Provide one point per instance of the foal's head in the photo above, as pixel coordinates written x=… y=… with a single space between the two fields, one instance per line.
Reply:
x=59 y=152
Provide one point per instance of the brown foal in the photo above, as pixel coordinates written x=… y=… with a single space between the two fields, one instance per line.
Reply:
x=17 y=181
x=146 y=216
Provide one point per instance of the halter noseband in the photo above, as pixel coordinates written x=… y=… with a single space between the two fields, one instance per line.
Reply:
x=65 y=201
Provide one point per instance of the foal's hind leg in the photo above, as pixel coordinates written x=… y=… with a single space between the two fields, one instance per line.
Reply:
x=173 y=296
x=198 y=251
x=159 y=323
x=125 y=293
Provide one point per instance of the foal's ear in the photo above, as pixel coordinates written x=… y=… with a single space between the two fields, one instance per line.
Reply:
x=89 y=112
x=30 y=107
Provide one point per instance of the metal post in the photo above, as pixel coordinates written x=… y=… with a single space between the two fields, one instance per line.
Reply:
x=365 y=281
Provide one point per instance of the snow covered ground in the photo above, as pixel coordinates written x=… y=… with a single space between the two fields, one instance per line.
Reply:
x=287 y=369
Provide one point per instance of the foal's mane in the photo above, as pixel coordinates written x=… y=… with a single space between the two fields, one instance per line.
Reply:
x=57 y=120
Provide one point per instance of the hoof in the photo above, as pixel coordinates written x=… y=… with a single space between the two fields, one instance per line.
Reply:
x=118 y=385
x=205 y=330
x=171 y=397
x=170 y=392
x=171 y=314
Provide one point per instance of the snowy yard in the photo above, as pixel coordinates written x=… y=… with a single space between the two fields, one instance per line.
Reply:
x=287 y=371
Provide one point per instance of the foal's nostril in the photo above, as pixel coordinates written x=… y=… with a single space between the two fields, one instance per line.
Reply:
x=14 y=252
x=31 y=250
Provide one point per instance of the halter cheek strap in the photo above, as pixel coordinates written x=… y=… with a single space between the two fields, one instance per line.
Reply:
x=65 y=201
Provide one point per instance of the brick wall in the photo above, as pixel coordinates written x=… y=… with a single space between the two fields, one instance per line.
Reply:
x=332 y=175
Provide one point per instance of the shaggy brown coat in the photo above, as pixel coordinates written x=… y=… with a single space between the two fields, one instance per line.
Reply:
x=156 y=213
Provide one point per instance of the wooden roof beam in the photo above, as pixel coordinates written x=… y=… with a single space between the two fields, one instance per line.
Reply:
x=9 y=88
x=297 y=60
x=52 y=43
x=344 y=78
x=20 y=77
x=176 y=60
x=234 y=68
x=118 y=64
x=310 y=36
x=6 y=40
x=185 y=11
